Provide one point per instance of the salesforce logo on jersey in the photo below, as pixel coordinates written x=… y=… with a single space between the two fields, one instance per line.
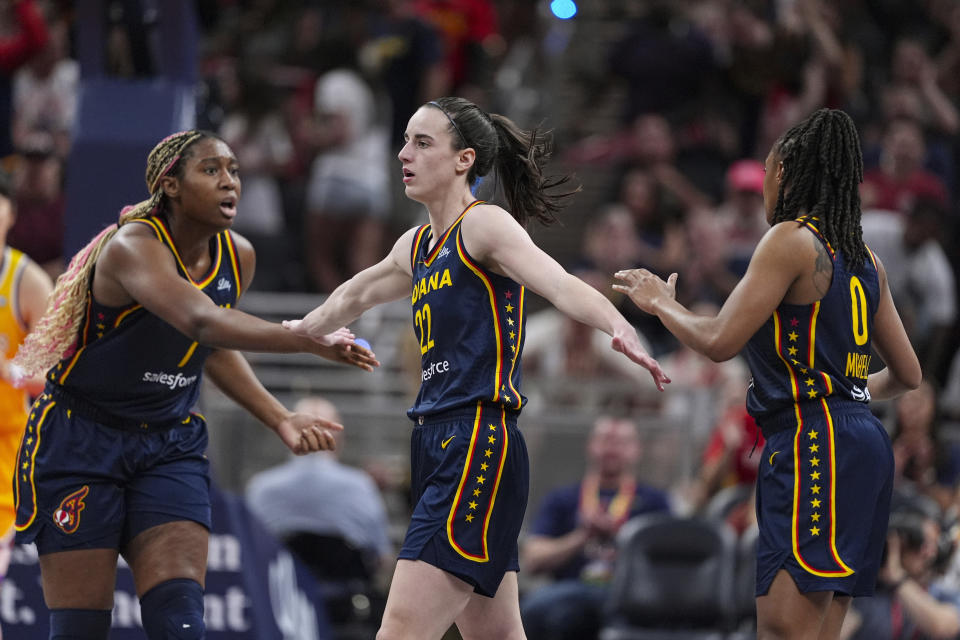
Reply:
x=171 y=380
x=255 y=589
x=435 y=368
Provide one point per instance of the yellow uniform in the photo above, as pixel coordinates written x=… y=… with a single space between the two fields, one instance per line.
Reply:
x=14 y=402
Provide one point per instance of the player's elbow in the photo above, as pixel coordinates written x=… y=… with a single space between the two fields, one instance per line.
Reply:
x=203 y=326
x=909 y=376
x=914 y=380
x=718 y=349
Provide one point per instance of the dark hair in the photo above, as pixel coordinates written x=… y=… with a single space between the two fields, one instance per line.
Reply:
x=822 y=171
x=516 y=155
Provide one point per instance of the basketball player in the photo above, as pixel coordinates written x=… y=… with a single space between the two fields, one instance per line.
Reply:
x=812 y=305
x=467 y=273
x=112 y=459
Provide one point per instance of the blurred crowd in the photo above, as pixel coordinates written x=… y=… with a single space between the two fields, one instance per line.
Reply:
x=313 y=97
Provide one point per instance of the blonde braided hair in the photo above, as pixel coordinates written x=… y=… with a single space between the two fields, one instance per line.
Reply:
x=55 y=335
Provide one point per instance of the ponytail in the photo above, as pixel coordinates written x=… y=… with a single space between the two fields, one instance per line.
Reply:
x=516 y=156
x=519 y=165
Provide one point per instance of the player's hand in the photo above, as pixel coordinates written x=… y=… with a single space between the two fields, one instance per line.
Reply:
x=305 y=433
x=646 y=289
x=626 y=342
x=350 y=353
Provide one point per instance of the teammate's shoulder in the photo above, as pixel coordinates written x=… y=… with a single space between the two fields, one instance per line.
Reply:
x=138 y=228
x=486 y=209
x=132 y=241
x=785 y=226
x=788 y=232
x=488 y=216
x=405 y=241
x=242 y=244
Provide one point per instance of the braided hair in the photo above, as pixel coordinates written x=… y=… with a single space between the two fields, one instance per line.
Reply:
x=822 y=171
x=54 y=337
x=517 y=157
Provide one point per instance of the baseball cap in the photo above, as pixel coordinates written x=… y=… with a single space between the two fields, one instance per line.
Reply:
x=745 y=175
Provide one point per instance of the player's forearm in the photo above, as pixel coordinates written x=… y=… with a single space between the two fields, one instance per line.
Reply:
x=232 y=329
x=884 y=386
x=700 y=333
x=578 y=300
x=340 y=308
x=232 y=374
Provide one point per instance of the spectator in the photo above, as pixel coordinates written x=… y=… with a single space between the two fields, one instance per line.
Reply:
x=658 y=220
x=572 y=538
x=911 y=600
x=40 y=202
x=900 y=179
x=405 y=54
x=662 y=244
x=723 y=241
x=923 y=457
x=731 y=459
x=912 y=70
x=45 y=92
x=339 y=500
x=661 y=49
x=24 y=35
x=921 y=278
x=805 y=53
x=255 y=129
x=610 y=242
x=349 y=192
x=649 y=144
x=714 y=407
x=471 y=37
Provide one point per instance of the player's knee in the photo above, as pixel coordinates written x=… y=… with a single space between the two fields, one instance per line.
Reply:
x=79 y=624
x=173 y=610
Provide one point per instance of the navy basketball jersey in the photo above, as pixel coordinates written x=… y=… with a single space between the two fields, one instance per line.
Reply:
x=470 y=325
x=130 y=363
x=808 y=353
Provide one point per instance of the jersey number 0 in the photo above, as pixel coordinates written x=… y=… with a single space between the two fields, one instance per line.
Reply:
x=858 y=311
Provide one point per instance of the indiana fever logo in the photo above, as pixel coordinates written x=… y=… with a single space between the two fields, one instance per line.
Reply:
x=67 y=515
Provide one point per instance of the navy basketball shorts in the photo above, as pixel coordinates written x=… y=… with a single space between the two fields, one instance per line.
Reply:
x=823 y=499
x=82 y=485
x=469 y=480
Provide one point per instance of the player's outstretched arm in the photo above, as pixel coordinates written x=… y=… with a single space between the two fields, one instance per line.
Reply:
x=775 y=264
x=492 y=236
x=389 y=279
x=135 y=267
x=302 y=433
